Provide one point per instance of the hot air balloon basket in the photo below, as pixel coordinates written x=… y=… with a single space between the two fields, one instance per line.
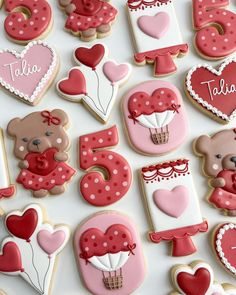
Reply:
x=160 y=138
x=113 y=282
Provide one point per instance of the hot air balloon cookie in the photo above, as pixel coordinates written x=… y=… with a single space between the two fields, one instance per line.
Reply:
x=155 y=117
x=109 y=254
x=32 y=247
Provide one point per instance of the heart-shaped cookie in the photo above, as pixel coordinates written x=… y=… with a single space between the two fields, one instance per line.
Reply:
x=90 y=57
x=75 y=84
x=10 y=259
x=225 y=245
x=50 y=242
x=214 y=91
x=28 y=74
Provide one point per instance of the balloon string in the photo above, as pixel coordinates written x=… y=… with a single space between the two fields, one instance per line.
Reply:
x=98 y=92
x=89 y=97
x=40 y=291
x=112 y=93
x=44 y=280
x=32 y=250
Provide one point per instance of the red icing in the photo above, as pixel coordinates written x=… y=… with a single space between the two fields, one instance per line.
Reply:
x=10 y=259
x=210 y=41
x=196 y=284
x=75 y=84
x=141 y=4
x=23 y=226
x=44 y=172
x=182 y=243
x=7 y=192
x=90 y=57
x=21 y=28
x=82 y=19
x=50 y=119
x=224 y=101
x=162 y=58
x=93 y=187
x=93 y=242
x=161 y=100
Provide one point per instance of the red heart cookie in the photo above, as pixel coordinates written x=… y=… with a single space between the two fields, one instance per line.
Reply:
x=22 y=226
x=214 y=90
x=225 y=245
x=75 y=84
x=10 y=259
x=90 y=57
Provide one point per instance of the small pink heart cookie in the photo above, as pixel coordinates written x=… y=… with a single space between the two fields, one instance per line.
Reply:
x=30 y=73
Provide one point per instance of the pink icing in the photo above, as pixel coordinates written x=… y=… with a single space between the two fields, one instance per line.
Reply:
x=172 y=203
x=51 y=242
x=115 y=72
x=133 y=271
x=178 y=127
x=155 y=26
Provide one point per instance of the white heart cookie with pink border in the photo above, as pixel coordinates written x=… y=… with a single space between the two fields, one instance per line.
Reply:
x=28 y=74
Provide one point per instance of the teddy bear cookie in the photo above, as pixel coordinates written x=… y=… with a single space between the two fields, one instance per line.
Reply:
x=96 y=81
x=108 y=251
x=155 y=117
x=172 y=205
x=41 y=145
x=156 y=34
x=27 y=20
x=219 y=164
x=215 y=26
x=89 y=19
x=31 y=249
x=2 y=293
x=28 y=74
x=197 y=278
x=213 y=90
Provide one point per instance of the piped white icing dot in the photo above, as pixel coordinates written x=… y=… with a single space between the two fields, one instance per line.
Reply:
x=59 y=140
x=100 y=140
x=92 y=197
x=115 y=171
x=116 y=233
x=21 y=148
x=124 y=183
x=96 y=180
x=110 y=157
x=107 y=188
x=215 y=166
x=86 y=185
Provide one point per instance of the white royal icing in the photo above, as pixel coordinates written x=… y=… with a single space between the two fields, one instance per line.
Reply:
x=4 y=173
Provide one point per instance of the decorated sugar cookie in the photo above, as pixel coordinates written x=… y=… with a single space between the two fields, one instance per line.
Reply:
x=197 y=278
x=89 y=19
x=213 y=90
x=219 y=164
x=27 y=20
x=172 y=205
x=32 y=247
x=109 y=253
x=215 y=26
x=155 y=117
x=156 y=34
x=96 y=81
x=27 y=75
x=111 y=176
x=41 y=145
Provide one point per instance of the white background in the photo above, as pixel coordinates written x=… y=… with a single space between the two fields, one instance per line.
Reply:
x=70 y=207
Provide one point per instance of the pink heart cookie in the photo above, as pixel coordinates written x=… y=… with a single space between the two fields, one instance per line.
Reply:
x=155 y=26
x=28 y=74
x=115 y=72
x=172 y=203
x=50 y=242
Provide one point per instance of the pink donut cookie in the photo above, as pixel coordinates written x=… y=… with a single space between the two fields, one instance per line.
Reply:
x=155 y=117
x=109 y=254
x=215 y=25
x=89 y=19
x=113 y=177
x=27 y=20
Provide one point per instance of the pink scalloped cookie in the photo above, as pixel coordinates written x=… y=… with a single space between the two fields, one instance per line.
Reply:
x=155 y=117
x=89 y=19
x=27 y=20
x=31 y=249
x=109 y=254
x=172 y=204
x=213 y=90
x=28 y=74
x=197 y=278
x=156 y=34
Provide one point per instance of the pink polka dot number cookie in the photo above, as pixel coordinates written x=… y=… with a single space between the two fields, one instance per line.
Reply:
x=27 y=20
x=216 y=34
x=113 y=177
x=89 y=19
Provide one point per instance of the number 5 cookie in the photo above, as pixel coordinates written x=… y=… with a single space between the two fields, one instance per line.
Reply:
x=156 y=34
x=172 y=205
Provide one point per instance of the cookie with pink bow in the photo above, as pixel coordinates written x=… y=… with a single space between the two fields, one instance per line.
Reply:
x=31 y=249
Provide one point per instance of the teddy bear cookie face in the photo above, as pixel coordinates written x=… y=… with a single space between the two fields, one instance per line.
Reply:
x=218 y=151
x=38 y=132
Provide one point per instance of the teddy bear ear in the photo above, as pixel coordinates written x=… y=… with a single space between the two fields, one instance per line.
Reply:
x=12 y=126
x=60 y=114
x=202 y=144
